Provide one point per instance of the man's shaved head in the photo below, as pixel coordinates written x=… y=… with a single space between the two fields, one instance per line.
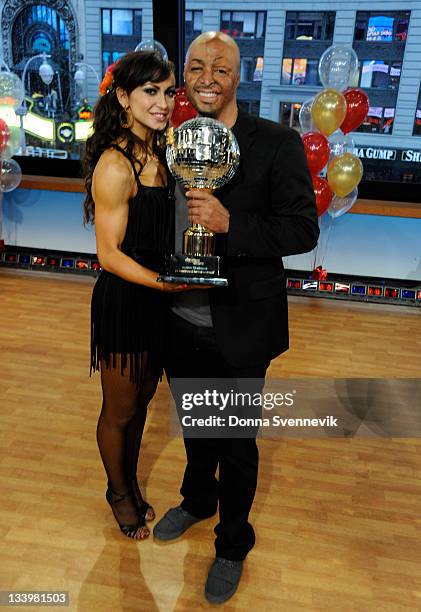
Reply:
x=208 y=37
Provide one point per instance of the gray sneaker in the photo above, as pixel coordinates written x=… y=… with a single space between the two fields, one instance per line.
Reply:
x=223 y=579
x=173 y=524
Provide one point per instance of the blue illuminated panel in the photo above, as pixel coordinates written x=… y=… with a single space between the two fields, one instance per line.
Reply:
x=408 y=294
x=358 y=289
x=67 y=263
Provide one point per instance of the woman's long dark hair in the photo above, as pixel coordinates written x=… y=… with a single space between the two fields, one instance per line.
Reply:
x=132 y=70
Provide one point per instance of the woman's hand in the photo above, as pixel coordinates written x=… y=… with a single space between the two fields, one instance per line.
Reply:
x=171 y=287
x=176 y=287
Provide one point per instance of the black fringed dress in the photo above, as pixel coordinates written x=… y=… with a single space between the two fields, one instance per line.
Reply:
x=129 y=319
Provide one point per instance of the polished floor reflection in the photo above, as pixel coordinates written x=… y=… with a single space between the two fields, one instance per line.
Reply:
x=337 y=521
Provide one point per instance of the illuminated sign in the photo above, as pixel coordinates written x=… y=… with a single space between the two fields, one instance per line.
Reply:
x=407 y=155
x=50 y=153
x=83 y=129
x=372 y=153
x=65 y=132
x=41 y=127
x=380 y=27
x=411 y=156
x=85 y=112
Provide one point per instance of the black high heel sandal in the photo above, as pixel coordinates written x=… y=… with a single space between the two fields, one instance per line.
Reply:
x=129 y=530
x=143 y=507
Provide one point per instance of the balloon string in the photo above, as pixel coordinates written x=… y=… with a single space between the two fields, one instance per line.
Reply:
x=316 y=248
x=329 y=228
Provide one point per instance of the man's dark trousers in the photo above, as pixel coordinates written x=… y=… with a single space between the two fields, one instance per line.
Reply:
x=193 y=353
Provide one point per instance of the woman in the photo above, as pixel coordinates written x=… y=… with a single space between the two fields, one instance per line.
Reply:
x=127 y=197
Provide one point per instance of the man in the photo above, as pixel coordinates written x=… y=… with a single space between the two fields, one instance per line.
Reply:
x=265 y=212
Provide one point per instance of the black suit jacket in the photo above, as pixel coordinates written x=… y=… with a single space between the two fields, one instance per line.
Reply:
x=272 y=214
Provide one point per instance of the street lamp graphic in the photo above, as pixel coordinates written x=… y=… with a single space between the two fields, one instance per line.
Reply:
x=80 y=74
x=46 y=74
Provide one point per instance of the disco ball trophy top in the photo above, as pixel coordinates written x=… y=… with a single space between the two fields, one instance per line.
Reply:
x=202 y=153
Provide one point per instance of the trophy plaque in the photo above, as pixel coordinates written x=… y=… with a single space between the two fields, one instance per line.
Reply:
x=202 y=153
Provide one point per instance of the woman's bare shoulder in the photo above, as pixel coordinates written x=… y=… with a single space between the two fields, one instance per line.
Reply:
x=113 y=171
x=113 y=165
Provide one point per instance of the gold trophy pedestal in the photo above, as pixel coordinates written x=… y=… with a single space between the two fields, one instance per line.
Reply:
x=196 y=265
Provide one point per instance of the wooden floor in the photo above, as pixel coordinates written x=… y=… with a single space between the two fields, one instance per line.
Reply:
x=338 y=522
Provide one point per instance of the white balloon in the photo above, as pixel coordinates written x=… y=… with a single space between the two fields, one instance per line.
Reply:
x=12 y=91
x=152 y=45
x=305 y=118
x=10 y=175
x=340 y=143
x=339 y=206
x=338 y=67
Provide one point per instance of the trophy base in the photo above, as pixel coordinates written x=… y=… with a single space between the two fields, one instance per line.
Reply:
x=193 y=280
x=194 y=270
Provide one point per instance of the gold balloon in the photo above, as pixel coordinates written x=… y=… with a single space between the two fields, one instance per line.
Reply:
x=344 y=173
x=328 y=110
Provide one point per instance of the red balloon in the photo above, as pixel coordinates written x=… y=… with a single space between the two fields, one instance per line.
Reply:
x=319 y=273
x=4 y=135
x=356 y=109
x=324 y=194
x=317 y=150
x=183 y=109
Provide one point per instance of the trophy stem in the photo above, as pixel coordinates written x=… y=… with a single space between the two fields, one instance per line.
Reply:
x=197 y=239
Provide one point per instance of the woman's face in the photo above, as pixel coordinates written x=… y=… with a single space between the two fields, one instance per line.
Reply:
x=151 y=104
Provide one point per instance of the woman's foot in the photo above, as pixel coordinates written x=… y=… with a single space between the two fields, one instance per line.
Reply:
x=125 y=511
x=143 y=507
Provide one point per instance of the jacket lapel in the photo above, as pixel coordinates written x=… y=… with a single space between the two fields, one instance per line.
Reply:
x=243 y=130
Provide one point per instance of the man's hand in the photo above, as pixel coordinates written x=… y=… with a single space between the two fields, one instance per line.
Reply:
x=207 y=210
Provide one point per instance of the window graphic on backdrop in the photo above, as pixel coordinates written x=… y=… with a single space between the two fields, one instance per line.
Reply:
x=249 y=29
x=307 y=35
x=39 y=29
x=121 y=31
x=309 y=25
x=379 y=40
x=417 y=119
x=42 y=44
x=244 y=24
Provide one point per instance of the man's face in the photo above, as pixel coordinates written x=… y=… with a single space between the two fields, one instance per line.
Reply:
x=211 y=77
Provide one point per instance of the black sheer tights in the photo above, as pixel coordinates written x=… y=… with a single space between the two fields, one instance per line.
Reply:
x=119 y=434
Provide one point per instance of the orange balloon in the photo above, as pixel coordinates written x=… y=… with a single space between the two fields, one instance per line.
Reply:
x=328 y=111
x=344 y=173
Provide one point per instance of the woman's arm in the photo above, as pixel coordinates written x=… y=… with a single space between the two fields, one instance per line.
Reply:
x=113 y=184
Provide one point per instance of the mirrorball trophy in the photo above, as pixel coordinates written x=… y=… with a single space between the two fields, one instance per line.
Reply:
x=202 y=153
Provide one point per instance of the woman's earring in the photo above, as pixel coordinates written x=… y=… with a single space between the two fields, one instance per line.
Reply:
x=126 y=120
